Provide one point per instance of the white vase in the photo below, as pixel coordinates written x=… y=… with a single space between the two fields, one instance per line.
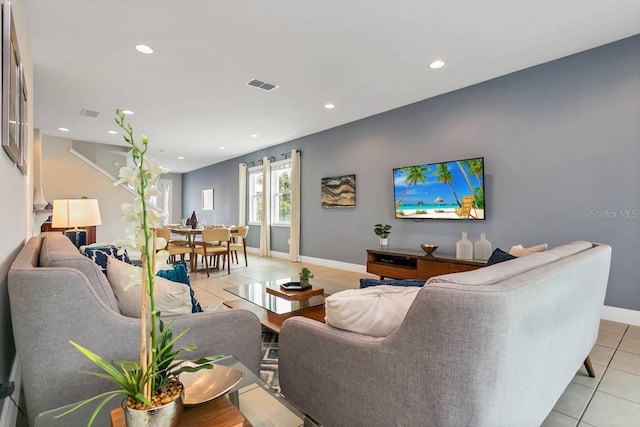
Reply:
x=464 y=247
x=482 y=248
x=384 y=241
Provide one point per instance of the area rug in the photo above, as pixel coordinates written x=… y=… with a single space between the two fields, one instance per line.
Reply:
x=269 y=363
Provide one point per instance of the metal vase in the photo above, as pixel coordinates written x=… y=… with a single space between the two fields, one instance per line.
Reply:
x=162 y=416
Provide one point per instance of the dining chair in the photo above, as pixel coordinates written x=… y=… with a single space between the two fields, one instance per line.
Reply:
x=238 y=242
x=211 y=245
x=173 y=249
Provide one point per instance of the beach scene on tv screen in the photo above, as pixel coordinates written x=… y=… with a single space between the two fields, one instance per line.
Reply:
x=448 y=190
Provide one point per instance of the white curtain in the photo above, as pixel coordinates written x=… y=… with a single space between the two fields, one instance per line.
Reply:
x=294 y=247
x=265 y=232
x=242 y=194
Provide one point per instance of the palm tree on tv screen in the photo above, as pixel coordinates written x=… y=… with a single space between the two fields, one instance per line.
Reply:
x=476 y=168
x=415 y=174
x=463 y=165
x=444 y=176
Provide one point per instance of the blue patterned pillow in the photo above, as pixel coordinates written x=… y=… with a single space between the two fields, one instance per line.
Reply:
x=499 y=256
x=365 y=283
x=100 y=254
x=180 y=273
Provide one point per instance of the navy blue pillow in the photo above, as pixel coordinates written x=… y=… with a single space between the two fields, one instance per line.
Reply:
x=100 y=254
x=499 y=256
x=180 y=274
x=365 y=283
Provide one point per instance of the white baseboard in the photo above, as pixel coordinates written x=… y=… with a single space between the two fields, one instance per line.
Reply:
x=622 y=315
x=9 y=413
x=615 y=314
x=335 y=264
x=319 y=261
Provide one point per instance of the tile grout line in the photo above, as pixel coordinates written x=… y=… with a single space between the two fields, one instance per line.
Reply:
x=595 y=390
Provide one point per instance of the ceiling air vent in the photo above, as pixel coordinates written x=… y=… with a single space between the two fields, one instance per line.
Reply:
x=262 y=84
x=89 y=113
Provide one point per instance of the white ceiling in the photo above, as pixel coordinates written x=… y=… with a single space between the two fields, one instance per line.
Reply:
x=366 y=57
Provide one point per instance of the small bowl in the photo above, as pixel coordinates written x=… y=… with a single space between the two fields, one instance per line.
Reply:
x=429 y=249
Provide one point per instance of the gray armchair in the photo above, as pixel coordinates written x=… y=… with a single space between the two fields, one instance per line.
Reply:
x=69 y=300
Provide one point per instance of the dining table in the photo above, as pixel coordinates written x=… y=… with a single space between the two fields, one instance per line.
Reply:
x=192 y=234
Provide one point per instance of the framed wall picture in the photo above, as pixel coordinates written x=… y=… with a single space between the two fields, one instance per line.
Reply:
x=207 y=199
x=23 y=123
x=338 y=191
x=10 y=86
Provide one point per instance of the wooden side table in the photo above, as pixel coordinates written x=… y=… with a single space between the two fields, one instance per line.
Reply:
x=91 y=231
x=218 y=412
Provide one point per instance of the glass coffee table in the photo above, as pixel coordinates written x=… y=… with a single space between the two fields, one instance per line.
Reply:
x=273 y=305
x=256 y=402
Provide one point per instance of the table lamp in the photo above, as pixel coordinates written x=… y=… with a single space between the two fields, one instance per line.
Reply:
x=76 y=213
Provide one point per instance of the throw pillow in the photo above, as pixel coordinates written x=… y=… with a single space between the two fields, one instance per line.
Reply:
x=375 y=311
x=100 y=254
x=365 y=283
x=180 y=273
x=499 y=256
x=171 y=298
x=519 y=251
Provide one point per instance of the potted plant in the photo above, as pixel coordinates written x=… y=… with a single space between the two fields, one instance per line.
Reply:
x=383 y=232
x=151 y=383
x=305 y=275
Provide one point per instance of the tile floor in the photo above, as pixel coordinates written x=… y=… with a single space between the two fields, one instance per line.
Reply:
x=612 y=399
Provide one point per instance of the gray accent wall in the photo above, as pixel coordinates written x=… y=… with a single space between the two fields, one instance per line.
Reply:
x=561 y=143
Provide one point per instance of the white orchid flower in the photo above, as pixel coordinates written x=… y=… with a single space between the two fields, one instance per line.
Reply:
x=127 y=175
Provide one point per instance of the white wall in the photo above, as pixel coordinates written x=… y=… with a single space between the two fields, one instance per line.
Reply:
x=15 y=226
x=65 y=176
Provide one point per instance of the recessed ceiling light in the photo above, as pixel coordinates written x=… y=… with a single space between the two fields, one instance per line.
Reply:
x=220 y=148
x=329 y=106
x=254 y=135
x=436 y=64
x=180 y=158
x=128 y=112
x=63 y=129
x=143 y=48
x=112 y=132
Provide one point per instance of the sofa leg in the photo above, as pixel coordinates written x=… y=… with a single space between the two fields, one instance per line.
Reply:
x=589 y=366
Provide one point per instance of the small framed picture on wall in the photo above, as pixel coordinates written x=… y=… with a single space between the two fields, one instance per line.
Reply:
x=207 y=199
x=338 y=191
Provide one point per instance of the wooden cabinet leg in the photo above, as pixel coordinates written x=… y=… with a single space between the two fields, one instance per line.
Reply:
x=589 y=366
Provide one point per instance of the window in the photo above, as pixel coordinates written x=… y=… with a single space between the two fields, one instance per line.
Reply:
x=281 y=192
x=255 y=194
x=162 y=200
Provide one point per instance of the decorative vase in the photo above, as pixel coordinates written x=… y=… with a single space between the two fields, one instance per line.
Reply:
x=167 y=415
x=193 y=222
x=464 y=247
x=482 y=248
x=384 y=241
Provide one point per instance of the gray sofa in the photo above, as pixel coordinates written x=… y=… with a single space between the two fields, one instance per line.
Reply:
x=491 y=347
x=56 y=295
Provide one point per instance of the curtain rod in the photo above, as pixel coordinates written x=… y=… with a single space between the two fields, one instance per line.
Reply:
x=272 y=158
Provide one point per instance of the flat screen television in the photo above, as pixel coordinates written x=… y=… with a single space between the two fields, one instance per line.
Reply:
x=446 y=190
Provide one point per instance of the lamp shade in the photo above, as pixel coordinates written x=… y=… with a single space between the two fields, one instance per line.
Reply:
x=75 y=213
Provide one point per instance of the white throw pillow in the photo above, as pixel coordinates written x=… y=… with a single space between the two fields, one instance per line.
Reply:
x=519 y=251
x=171 y=298
x=375 y=311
